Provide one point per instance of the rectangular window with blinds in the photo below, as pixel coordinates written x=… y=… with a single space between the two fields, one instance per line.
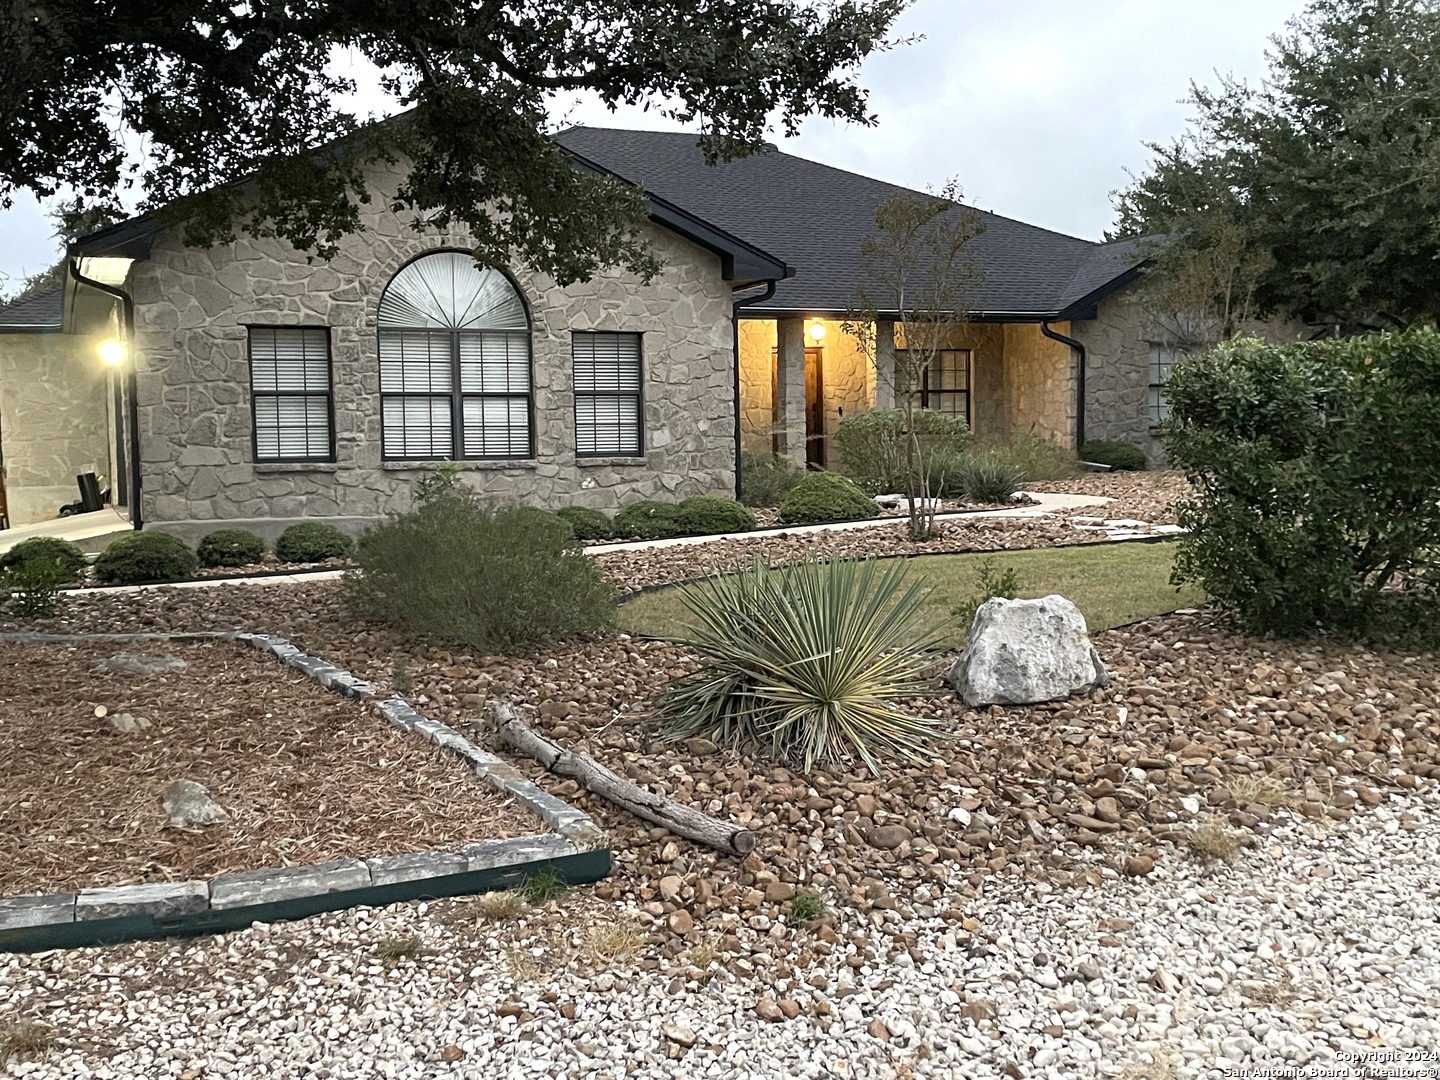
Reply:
x=290 y=393
x=609 y=403
x=457 y=394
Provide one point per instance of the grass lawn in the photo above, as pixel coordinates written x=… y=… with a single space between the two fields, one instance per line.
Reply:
x=1111 y=584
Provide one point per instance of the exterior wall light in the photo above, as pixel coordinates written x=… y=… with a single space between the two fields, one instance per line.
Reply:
x=817 y=333
x=112 y=353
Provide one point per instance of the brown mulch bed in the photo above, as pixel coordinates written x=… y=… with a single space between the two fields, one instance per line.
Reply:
x=1143 y=496
x=304 y=774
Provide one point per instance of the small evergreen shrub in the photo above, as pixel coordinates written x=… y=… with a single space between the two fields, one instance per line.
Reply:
x=765 y=479
x=1120 y=456
x=873 y=445
x=989 y=478
x=144 y=558
x=825 y=496
x=458 y=572
x=312 y=541
x=30 y=589
x=1316 y=472
x=990 y=582
x=703 y=515
x=648 y=520
x=230 y=547
x=47 y=551
x=814 y=661
x=1035 y=456
x=586 y=523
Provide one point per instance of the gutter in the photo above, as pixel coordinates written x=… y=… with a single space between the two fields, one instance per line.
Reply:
x=735 y=307
x=1079 y=352
x=132 y=420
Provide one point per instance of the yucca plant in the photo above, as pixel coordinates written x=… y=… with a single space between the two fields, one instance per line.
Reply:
x=811 y=658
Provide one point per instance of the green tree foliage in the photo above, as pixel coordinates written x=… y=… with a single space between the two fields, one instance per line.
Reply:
x=1316 y=194
x=1316 y=469
x=222 y=93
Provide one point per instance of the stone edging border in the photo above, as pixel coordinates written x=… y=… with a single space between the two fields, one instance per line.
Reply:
x=576 y=849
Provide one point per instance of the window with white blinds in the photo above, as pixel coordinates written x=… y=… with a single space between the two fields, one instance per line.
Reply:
x=608 y=399
x=290 y=393
x=454 y=362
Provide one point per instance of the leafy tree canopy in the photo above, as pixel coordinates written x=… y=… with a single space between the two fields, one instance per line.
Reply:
x=1316 y=194
x=220 y=90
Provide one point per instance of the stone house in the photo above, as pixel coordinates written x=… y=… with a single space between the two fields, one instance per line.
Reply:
x=266 y=388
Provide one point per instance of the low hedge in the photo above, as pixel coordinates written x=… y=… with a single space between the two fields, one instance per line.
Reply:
x=704 y=515
x=312 y=541
x=826 y=496
x=145 y=558
x=648 y=520
x=230 y=547
x=48 y=551
x=1120 y=456
x=588 y=523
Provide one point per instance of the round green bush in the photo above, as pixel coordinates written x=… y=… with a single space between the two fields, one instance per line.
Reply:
x=312 y=541
x=703 y=515
x=587 y=523
x=545 y=523
x=230 y=547
x=826 y=496
x=144 y=558
x=1120 y=456
x=49 y=551
x=647 y=520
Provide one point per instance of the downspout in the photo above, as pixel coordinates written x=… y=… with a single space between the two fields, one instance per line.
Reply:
x=735 y=337
x=1079 y=378
x=127 y=307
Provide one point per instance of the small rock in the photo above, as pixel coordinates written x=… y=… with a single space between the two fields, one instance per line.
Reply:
x=790 y=1007
x=188 y=803
x=127 y=724
x=888 y=837
x=1139 y=865
x=679 y=1034
x=766 y=1009
x=680 y=922
x=452 y=1053
x=878 y=1030
x=137 y=664
x=670 y=886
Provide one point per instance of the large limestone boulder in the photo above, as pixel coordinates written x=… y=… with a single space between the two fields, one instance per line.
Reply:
x=1020 y=652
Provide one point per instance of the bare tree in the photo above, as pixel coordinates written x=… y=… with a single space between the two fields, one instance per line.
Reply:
x=920 y=277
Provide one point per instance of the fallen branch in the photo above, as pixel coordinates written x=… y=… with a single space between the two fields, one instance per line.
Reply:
x=678 y=818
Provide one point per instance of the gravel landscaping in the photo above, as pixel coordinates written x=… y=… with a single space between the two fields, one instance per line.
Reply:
x=93 y=734
x=1222 y=859
x=1144 y=496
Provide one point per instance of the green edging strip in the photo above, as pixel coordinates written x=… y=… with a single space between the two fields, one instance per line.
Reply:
x=584 y=868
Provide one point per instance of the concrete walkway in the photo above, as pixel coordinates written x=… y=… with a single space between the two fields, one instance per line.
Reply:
x=91 y=531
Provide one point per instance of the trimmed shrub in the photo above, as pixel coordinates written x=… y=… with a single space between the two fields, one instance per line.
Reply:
x=458 y=572
x=702 y=515
x=230 y=547
x=826 y=496
x=587 y=524
x=1120 y=456
x=47 y=551
x=872 y=445
x=1316 y=469
x=647 y=520
x=765 y=479
x=989 y=478
x=312 y=541
x=813 y=661
x=145 y=558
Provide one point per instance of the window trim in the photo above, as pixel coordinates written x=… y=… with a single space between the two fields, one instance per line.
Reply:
x=255 y=395
x=923 y=392
x=456 y=395
x=638 y=395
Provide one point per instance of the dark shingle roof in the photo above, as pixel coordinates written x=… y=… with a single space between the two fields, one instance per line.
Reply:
x=814 y=217
x=42 y=311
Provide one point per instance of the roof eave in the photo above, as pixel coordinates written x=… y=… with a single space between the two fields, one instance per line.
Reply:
x=1087 y=307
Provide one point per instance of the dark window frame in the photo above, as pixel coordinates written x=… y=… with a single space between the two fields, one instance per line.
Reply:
x=1156 y=403
x=329 y=396
x=927 y=391
x=638 y=394
x=458 y=396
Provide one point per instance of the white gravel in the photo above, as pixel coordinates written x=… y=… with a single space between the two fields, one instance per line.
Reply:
x=1319 y=947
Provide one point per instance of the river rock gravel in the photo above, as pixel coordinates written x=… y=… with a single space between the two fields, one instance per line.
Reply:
x=1321 y=946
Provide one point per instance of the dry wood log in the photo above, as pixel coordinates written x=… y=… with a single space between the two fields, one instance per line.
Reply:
x=678 y=818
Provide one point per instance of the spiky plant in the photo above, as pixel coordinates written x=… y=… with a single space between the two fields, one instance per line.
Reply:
x=809 y=658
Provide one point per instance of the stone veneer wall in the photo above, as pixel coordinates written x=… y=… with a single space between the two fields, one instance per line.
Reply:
x=849 y=385
x=1040 y=383
x=986 y=342
x=1117 y=371
x=54 y=421
x=193 y=308
x=757 y=389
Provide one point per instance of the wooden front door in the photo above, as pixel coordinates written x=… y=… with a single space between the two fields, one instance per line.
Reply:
x=815 y=407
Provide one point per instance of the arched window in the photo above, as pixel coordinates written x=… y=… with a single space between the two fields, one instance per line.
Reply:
x=454 y=362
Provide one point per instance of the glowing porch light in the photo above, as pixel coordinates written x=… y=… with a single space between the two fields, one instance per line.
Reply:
x=112 y=353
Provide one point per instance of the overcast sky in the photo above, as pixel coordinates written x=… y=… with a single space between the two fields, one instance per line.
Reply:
x=1037 y=107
